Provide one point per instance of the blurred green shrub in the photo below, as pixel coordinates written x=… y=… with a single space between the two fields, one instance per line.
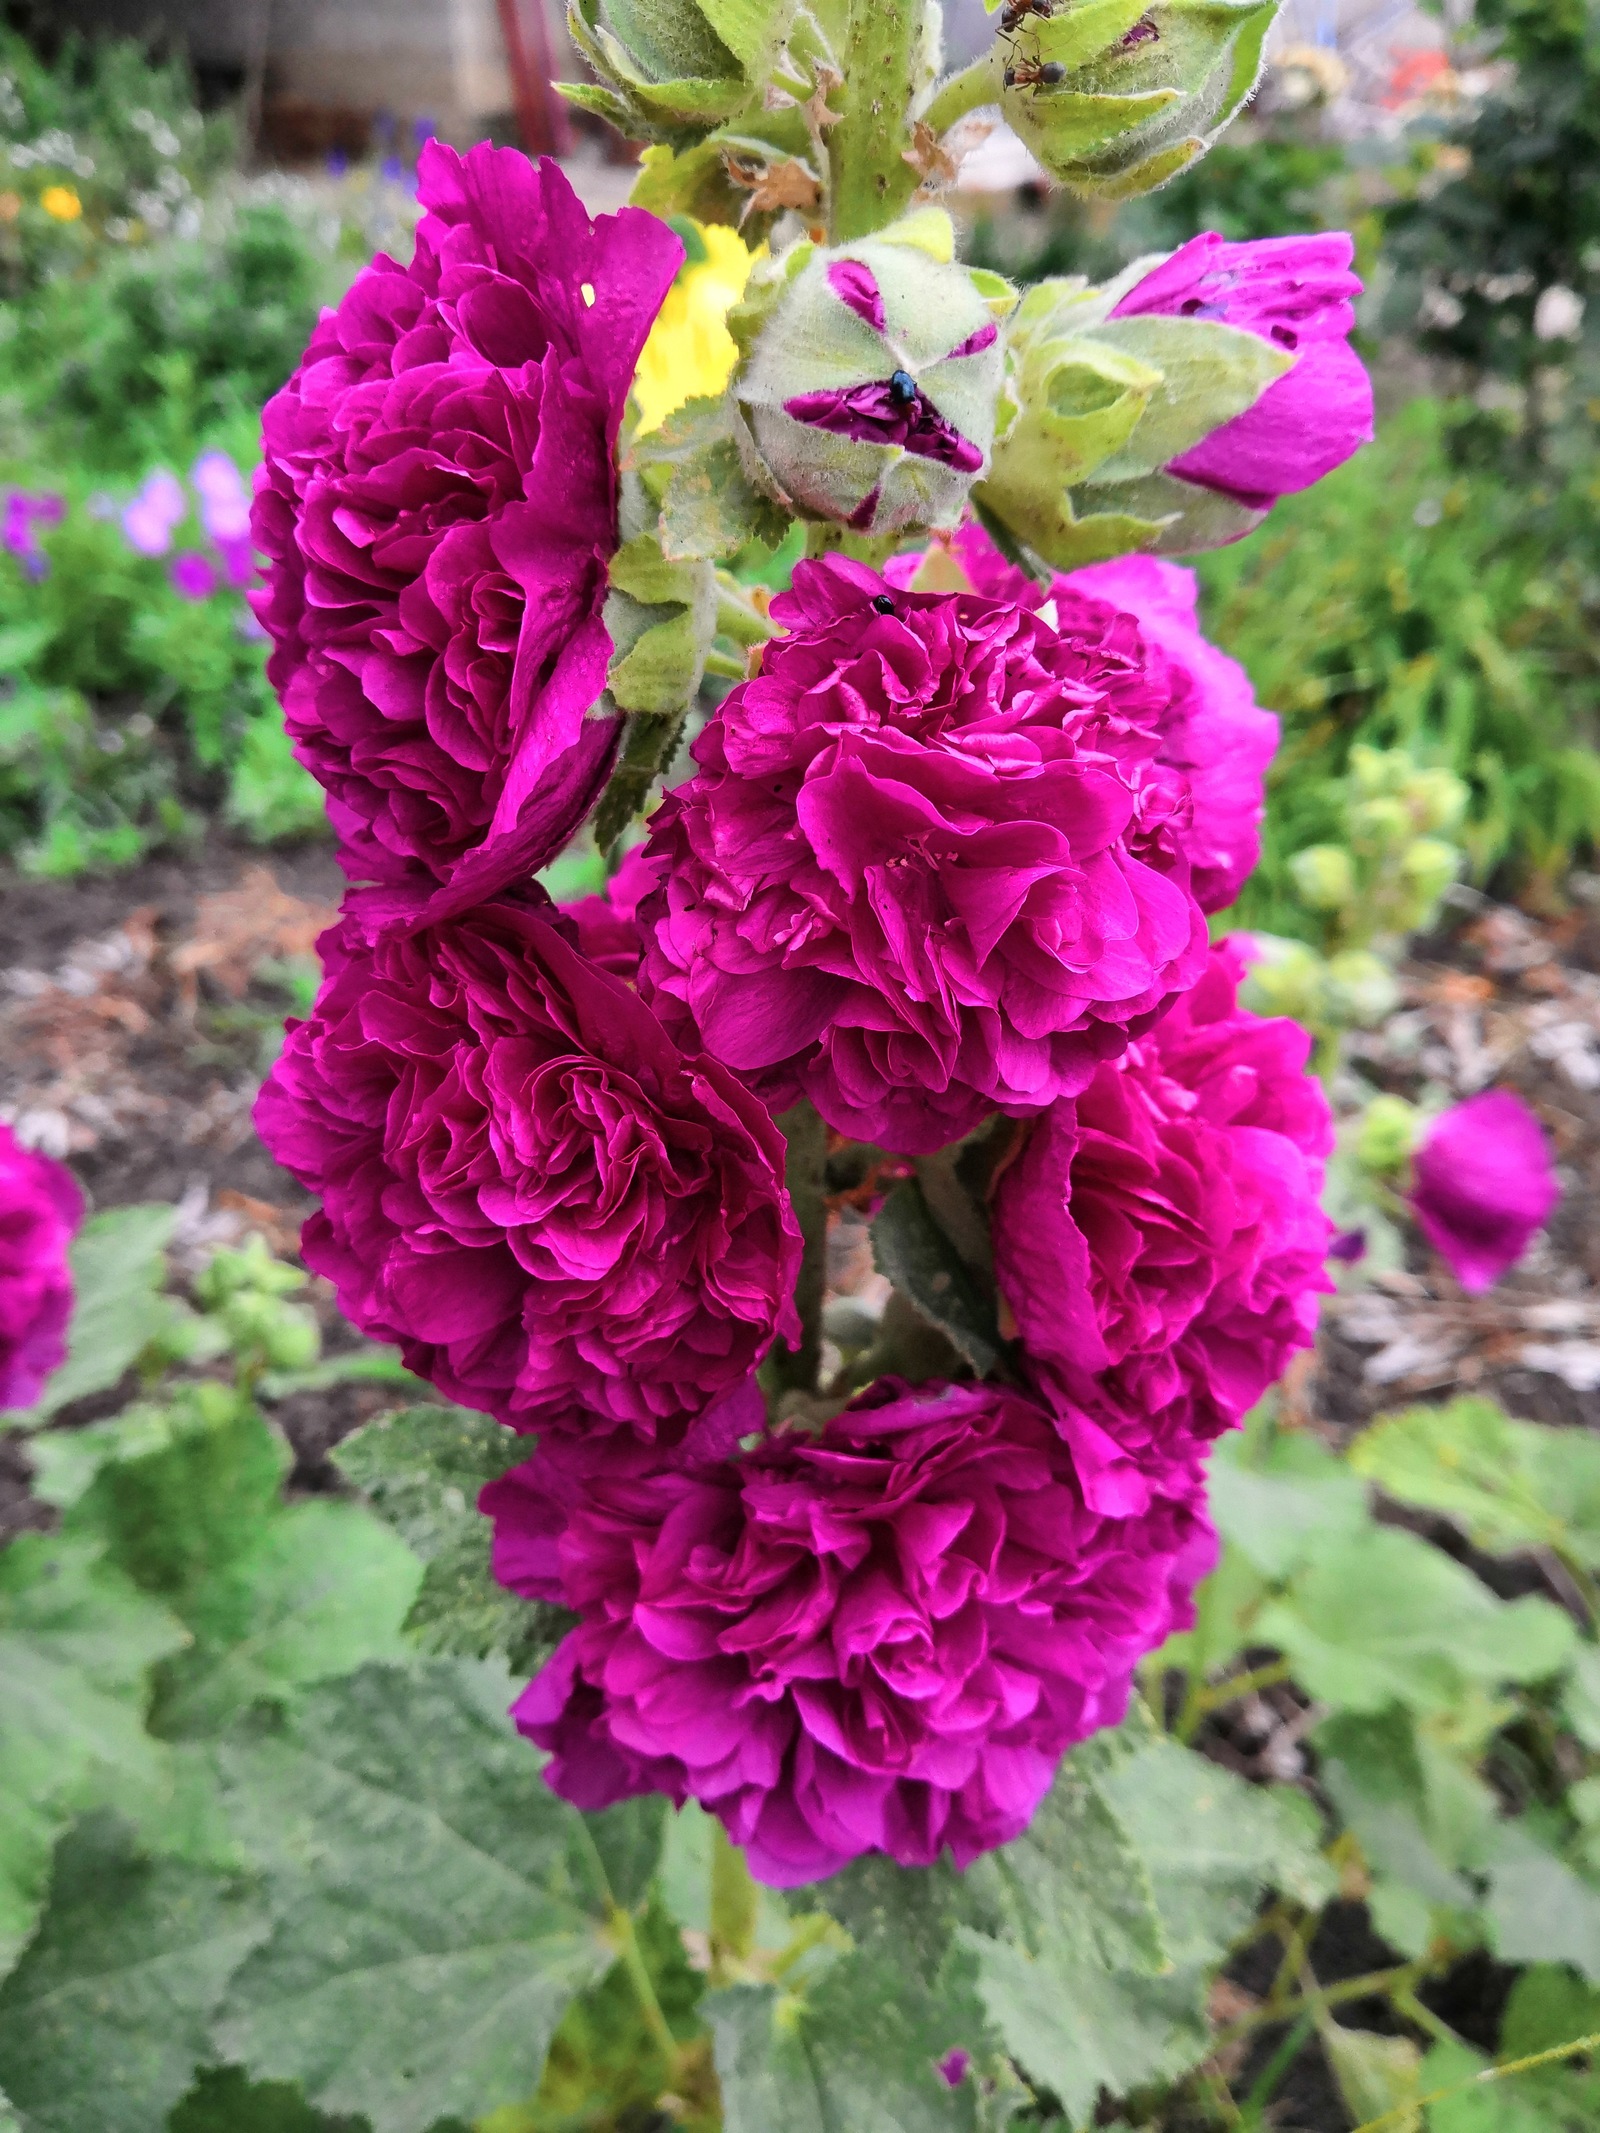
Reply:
x=1404 y=603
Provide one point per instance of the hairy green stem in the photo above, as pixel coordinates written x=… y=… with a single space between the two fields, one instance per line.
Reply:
x=1402 y=1978
x=626 y=1941
x=869 y=178
x=1406 y=2112
x=960 y=93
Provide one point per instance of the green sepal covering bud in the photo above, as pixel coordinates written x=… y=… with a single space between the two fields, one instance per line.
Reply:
x=670 y=69
x=1386 y=1135
x=1360 y=987
x=868 y=396
x=1324 y=876
x=1438 y=801
x=1093 y=408
x=1115 y=97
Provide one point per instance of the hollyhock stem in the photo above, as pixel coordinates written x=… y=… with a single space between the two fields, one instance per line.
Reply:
x=626 y=1941
x=869 y=179
x=735 y=1900
x=967 y=91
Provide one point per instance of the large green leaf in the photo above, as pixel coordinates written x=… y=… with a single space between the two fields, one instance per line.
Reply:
x=1512 y=1485
x=1208 y=1844
x=224 y=2100
x=274 y=1594
x=1380 y=1617
x=1282 y=1505
x=76 y=1644
x=860 y=2051
x=1540 y=1908
x=105 y=2019
x=436 y=1906
x=913 y=1252
x=118 y=1271
x=421 y=1469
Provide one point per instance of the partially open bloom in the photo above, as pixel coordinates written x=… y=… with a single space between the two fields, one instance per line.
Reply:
x=438 y=505
x=1213 y=730
x=40 y=1209
x=1159 y=1241
x=931 y=865
x=881 y=1637
x=1483 y=1183
x=1295 y=292
x=556 y=1214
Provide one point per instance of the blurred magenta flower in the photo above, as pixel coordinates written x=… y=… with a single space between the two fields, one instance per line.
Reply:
x=40 y=1209
x=1295 y=292
x=18 y=529
x=1483 y=1183
x=192 y=576
x=155 y=512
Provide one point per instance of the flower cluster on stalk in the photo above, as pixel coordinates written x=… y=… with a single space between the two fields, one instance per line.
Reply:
x=938 y=882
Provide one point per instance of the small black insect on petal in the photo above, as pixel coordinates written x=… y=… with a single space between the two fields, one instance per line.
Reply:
x=883 y=603
x=902 y=387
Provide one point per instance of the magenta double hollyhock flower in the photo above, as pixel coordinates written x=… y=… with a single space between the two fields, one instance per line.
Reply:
x=40 y=1209
x=1213 y=730
x=557 y=1215
x=931 y=865
x=880 y=1637
x=1159 y=1241
x=1295 y=292
x=438 y=506
x=1482 y=1184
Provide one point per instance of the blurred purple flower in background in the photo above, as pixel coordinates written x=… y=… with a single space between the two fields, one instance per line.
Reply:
x=156 y=511
x=192 y=576
x=24 y=514
x=1483 y=1183
x=225 y=514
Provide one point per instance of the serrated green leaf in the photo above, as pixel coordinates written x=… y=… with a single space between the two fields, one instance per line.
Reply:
x=421 y=1469
x=1506 y=2107
x=1381 y=1618
x=1541 y=1909
x=1419 y=1821
x=712 y=509
x=118 y=1272
x=103 y=2022
x=1512 y=1486
x=76 y=1645
x=1279 y=1509
x=912 y=1251
x=273 y=1594
x=1375 y=2075
x=437 y=1906
x=1548 y=2007
x=861 y=2050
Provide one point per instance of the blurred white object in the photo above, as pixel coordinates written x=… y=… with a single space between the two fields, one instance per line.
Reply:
x=1558 y=315
x=999 y=163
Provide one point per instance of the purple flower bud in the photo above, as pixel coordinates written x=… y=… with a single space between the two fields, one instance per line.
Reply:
x=952 y=2068
x=1296 y=293
x=1483 y=1183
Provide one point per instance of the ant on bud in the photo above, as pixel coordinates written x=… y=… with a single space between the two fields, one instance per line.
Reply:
x=1016 y=12
x=1028 y=73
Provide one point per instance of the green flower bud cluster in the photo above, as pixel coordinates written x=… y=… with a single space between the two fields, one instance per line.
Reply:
x=1326 y=993
x=1115 y=97
x=1387 y=877
x=248 y=1292
x=1093 y=409
x=1385 y=1135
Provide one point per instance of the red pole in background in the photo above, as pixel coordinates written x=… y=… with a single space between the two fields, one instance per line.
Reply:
x=541 y=114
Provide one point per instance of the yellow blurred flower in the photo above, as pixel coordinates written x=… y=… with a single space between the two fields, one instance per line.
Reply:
x=690 y=353
x=61 y=202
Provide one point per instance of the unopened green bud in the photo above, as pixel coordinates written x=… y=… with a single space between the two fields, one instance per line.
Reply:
x=1438 y=801
x=1284 y=977
x=1361 y=987
x=869 y=394
x=1386 y=1135
x=1095 y=407
x=1380 y=825
x=1428 y=866
x=1324 y=875
x=1378 y=770
x=671 y=66
x=1115 y=97
x=283 y=1334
